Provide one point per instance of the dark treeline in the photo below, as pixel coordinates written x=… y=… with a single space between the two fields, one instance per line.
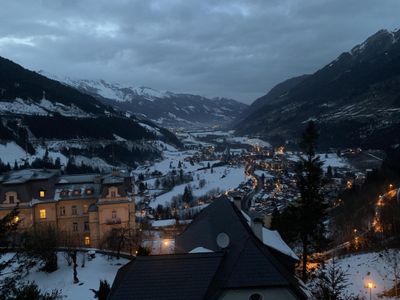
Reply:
x=18 y=134
x=47 y=163
x=60 y=127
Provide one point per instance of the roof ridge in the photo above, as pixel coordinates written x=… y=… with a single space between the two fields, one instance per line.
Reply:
x=264 y=249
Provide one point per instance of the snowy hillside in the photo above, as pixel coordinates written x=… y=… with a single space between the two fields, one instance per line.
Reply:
x=354 y=99
x=368 y=268
x=116 y=91
x=164 y=107
x=42 y=108
x=40 y=113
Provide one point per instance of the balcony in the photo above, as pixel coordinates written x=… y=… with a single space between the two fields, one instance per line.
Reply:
x=113 y=221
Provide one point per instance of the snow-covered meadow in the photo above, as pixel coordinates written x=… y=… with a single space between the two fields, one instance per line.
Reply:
x=365 y=268
x=221 y=178
x=328 y=159
x=99 y=268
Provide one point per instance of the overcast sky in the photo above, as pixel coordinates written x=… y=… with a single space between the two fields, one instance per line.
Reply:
x=236 y=49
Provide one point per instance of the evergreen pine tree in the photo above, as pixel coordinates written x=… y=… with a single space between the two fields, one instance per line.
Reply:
x=329 y=172
x=305 y=215
x=57 y=163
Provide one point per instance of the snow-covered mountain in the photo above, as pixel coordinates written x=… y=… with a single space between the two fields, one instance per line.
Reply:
x=39 y=113
x=165 y=108
x=355 y=99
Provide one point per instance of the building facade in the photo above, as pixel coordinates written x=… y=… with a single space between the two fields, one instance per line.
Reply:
x=83 y=208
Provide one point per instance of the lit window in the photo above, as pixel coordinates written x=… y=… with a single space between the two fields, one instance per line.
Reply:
x=114 y=214
x=77 y=192
x=87 y=241
x=64 y=193
x=74 y=210
x=42 y=193
x=85 y=208
x=62 y=211
x=75 y=227
x=42 y=214
x=89 y=191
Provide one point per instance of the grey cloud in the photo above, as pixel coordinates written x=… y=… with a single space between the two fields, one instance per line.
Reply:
x=234 y=48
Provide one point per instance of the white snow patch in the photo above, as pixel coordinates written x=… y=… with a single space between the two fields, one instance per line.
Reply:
x=99 y=268
x=200 y=250
x=273 y=239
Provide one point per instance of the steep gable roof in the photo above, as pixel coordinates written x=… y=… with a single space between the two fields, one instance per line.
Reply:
x=248 y=262
x=245 y=263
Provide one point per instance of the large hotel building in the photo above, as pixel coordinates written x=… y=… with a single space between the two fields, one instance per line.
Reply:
x=85 y=207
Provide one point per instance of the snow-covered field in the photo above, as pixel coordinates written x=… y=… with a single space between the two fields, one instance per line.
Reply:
x=249 y=141
x=222 y=178
x=95 y=270
x=329 y=159
x=10 y=153
x=265 y=173
x=334 y=161
x=365 y=268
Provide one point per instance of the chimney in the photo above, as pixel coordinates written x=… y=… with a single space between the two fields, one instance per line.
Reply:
x=115 y=172
x=268 y=221
x=238 y=202
x=257 y=227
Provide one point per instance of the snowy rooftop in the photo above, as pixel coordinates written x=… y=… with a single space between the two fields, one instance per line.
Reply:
x=273 y=239
x=81 y=178
x=80 y=191
x=168 y=222
x=163 y=223
x=22 y=176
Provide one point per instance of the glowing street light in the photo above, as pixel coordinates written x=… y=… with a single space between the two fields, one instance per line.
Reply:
x=371 y=286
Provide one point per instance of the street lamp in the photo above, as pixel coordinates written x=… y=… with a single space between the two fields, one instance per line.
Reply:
x=371 y=286
x=164 y=243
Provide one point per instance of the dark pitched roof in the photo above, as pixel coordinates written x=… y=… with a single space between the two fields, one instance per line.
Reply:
x=248 y=263
x=179 y=276
x=245 y=263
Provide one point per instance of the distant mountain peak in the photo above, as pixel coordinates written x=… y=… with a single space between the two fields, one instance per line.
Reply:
x=164 y=107
x=379 y=41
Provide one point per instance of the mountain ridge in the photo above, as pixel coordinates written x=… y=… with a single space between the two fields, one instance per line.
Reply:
x=37 y=112
x=166 y=108
x=355 y=99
